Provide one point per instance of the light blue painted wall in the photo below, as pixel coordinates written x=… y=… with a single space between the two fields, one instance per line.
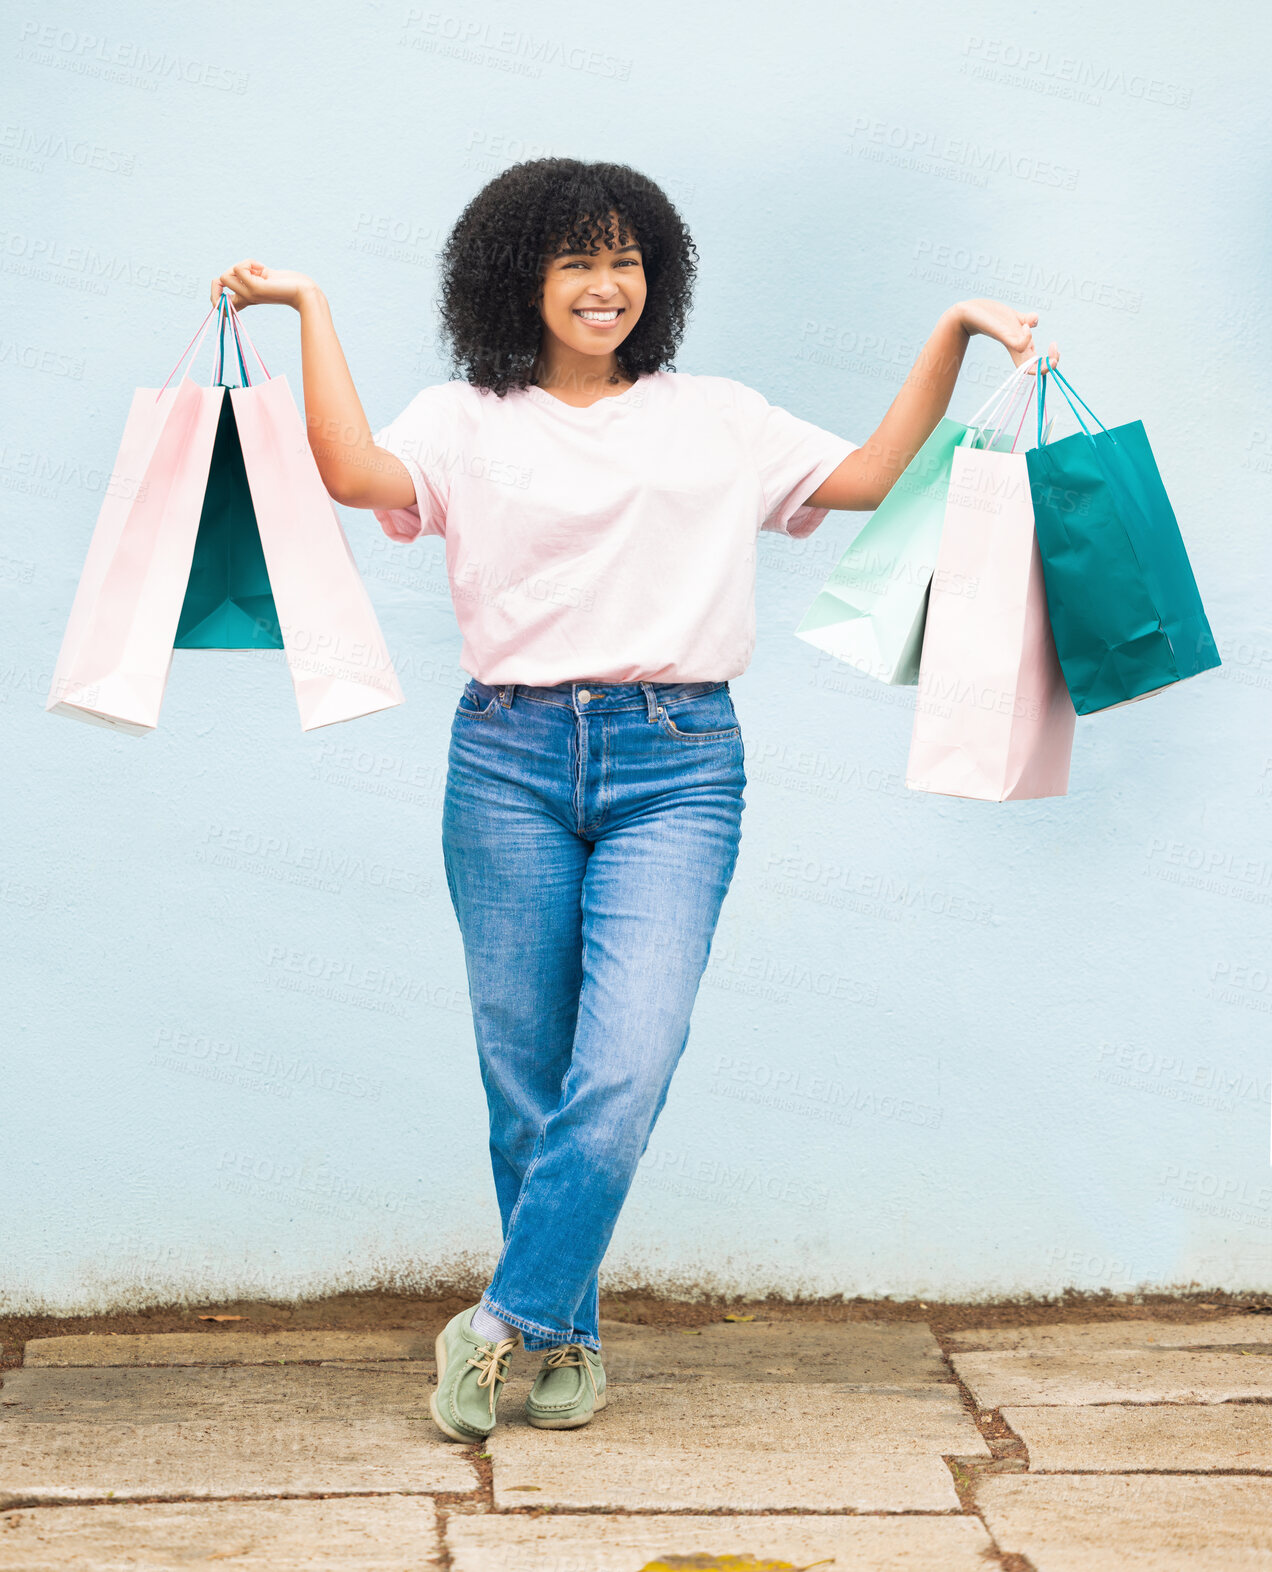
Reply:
x=943 y=1048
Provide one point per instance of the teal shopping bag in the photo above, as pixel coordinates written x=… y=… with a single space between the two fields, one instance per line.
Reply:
x=1124 y=606
x=228 y=604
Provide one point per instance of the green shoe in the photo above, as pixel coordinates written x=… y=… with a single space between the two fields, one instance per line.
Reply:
x=568 y=1389
x=471 y=1372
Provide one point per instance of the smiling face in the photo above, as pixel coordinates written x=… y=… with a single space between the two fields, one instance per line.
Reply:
x=591 y=302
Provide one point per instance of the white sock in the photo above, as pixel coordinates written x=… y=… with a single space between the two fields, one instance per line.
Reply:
x=491 y=1327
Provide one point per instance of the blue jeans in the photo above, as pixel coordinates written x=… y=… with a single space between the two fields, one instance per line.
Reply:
x=589 y=832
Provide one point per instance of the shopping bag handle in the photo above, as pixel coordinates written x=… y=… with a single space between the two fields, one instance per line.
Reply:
x=223 y=321
x=1003 y=405
x=983 y=435
x=1021 y=426
x=1003 y=418
x=1067 y=390
x=1006 y=394
x=240 y=334
x=194 y=343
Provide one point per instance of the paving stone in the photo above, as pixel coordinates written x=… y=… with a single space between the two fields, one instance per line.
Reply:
x=224 y=1348
x=1088 y=1336
x=885 y=1354
x=250 y=1430
x=1134 y=1523
x=380 y=1534
x=1115 y=1375
x=624 y=1544
x=1112 y=1439
x=739 y=1445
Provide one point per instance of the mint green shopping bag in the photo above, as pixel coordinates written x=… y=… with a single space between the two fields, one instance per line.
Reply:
x=871 y=609
x=870 y=612
x=228 y=604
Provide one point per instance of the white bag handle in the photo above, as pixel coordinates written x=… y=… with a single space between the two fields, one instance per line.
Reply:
x=1003 y=417
x=1000 y=403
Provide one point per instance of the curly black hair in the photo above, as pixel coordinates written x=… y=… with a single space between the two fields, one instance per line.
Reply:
x=494 y=259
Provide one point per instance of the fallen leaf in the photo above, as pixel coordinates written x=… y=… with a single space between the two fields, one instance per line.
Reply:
x=739 y=1318
x=221 y=1318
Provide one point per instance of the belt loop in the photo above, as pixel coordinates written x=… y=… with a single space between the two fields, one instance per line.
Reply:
x=506 y=693
x=651 y=699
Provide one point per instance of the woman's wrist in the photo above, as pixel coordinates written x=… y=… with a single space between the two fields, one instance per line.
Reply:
x=955 y=316
x=308 y=296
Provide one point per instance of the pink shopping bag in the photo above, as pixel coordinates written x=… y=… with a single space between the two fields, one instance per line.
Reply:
x=340 y=666
x=993 y=717
x=117 y=652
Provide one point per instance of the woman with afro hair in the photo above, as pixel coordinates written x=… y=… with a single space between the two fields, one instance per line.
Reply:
x=600 y=513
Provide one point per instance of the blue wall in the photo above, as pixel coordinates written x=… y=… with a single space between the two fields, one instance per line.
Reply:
x=943 y=1048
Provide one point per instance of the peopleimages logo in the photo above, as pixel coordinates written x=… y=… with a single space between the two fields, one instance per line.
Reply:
x=1212 y=860
x=1227 y=1189
x=90 y=54
x=1072 y=71
x=465 y=33
x=977 y=160
x=27 y=254
x=32 y=149
x=935 y=260
x=289 y=1068
x=30 y=357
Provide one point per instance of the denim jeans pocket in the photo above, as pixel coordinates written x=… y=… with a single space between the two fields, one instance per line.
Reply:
x=709 y=717
x=477 y=699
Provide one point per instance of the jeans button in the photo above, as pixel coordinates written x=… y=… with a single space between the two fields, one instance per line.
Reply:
x=584 y=695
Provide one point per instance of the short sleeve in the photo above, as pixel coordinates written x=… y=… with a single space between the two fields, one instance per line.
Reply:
x=425 y=438
x=792 y=456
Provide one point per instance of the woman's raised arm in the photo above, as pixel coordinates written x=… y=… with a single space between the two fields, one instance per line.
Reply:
x=353 y=469
x=867 y=475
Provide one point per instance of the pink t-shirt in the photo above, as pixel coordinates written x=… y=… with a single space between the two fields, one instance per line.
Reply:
x=615 y=542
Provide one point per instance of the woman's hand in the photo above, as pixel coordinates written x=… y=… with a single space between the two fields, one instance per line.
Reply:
x=866 y=476
x=353 y=469
x=1010 y=327
x=251 y=283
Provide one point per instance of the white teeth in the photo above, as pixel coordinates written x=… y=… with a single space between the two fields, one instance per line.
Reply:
x=598 y=316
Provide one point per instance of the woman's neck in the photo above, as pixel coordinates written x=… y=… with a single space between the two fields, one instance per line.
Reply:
x=580 y=379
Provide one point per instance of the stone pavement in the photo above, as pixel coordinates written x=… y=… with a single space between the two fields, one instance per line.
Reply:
x=765 y=1446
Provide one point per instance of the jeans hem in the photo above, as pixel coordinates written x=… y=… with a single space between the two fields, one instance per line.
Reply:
x=544 y=1336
